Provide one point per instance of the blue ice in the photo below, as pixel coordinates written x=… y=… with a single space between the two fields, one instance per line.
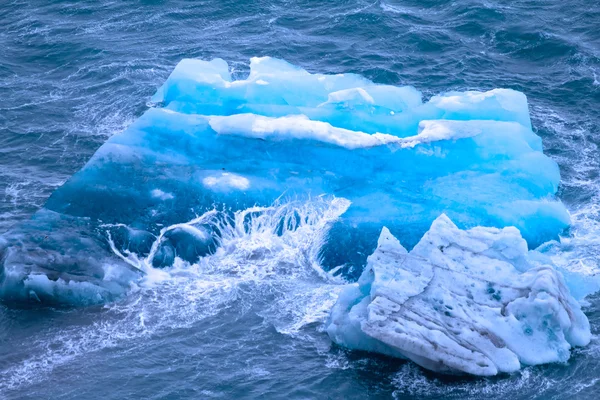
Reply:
x=284 y=134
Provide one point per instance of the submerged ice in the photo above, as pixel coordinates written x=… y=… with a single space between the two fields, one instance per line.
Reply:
x=472 y=301
x=216 y=150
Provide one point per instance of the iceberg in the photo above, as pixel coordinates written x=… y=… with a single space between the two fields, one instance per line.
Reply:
x=470 y=301
x=214 y=143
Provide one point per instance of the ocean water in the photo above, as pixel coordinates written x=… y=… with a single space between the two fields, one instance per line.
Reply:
x=73 y=73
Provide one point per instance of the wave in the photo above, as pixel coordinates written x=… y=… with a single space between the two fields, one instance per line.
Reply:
x=267 y=260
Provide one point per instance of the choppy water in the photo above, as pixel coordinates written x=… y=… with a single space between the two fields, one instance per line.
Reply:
x=248 y=324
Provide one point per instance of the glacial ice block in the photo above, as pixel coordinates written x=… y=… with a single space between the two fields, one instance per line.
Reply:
x=286 y=134
x=469 y=154
x=461 y=301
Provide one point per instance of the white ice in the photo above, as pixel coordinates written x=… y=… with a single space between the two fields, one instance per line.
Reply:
x=473 y=301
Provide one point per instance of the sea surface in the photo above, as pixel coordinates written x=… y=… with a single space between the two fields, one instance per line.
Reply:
x=73 y=73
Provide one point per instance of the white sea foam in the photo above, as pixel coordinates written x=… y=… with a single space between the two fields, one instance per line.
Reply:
x=263 y=249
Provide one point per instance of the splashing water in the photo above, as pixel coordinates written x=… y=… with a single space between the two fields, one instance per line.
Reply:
x=268 y=259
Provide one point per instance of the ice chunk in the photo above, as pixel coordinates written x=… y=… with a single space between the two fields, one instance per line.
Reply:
x=461 y=301
x=285 y=133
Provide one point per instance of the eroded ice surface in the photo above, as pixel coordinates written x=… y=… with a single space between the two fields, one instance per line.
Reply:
x=471 y=301
x=282 y=134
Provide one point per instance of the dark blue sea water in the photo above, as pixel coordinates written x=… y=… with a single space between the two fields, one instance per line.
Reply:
x=73 y=73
